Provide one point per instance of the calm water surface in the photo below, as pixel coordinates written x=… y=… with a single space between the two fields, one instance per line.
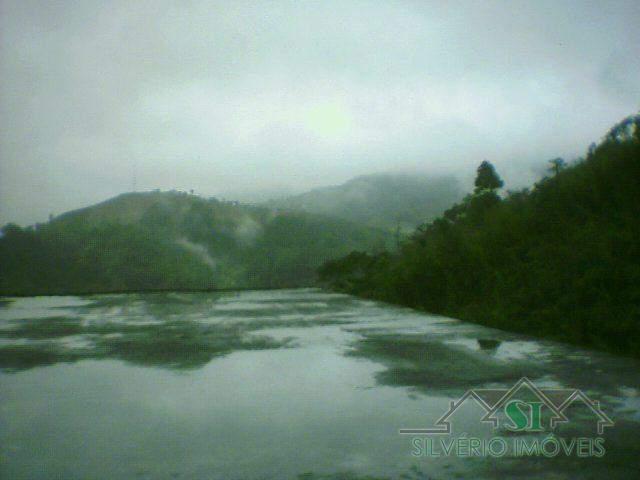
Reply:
x=276 y=385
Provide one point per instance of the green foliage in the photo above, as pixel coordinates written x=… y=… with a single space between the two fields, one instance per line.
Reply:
x=105 y=258
x=561 y=260
x=294 y=245
x=487 y=178
x=164 y=241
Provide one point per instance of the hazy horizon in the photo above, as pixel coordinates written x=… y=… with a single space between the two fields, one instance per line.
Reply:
x=249 y=100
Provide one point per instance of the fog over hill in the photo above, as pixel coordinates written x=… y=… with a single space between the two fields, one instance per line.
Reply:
x=225 y=97
x=381 y=200
x=178 y=240
x=175 y=240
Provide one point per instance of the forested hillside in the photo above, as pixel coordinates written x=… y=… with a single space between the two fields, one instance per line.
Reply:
x=559 y=260
x=173 y=240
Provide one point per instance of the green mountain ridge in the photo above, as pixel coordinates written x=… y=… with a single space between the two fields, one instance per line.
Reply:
x=173 y=240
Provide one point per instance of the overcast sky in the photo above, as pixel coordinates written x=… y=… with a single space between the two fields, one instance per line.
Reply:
x=246 y=98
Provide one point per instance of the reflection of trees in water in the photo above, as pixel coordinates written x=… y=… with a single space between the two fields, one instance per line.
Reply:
x=488 y=344
x=165 y=339
x=180 y=344
x=170 y=330
x=415 y=361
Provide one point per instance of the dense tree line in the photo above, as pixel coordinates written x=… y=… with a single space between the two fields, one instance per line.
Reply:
x=559 y=260
x=105 y=258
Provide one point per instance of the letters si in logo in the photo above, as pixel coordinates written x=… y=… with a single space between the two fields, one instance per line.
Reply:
x=521 y=415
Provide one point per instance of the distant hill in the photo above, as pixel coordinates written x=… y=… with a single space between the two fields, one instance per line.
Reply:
x=173 y=240
x=381 y=200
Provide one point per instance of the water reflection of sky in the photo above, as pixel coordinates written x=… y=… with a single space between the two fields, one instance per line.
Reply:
x=272 y=384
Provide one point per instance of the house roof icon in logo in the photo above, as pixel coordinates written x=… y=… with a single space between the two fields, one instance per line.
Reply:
x=557 y=400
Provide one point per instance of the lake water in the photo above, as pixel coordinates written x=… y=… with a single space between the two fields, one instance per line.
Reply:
x=283 y=384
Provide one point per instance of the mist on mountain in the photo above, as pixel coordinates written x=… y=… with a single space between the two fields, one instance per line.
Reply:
x=175 y=241
x=382 y=200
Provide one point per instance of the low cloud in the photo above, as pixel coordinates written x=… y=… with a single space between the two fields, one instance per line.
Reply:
x=237 y=99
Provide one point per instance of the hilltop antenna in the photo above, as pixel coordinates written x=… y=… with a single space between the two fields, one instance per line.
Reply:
x=135 y=176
